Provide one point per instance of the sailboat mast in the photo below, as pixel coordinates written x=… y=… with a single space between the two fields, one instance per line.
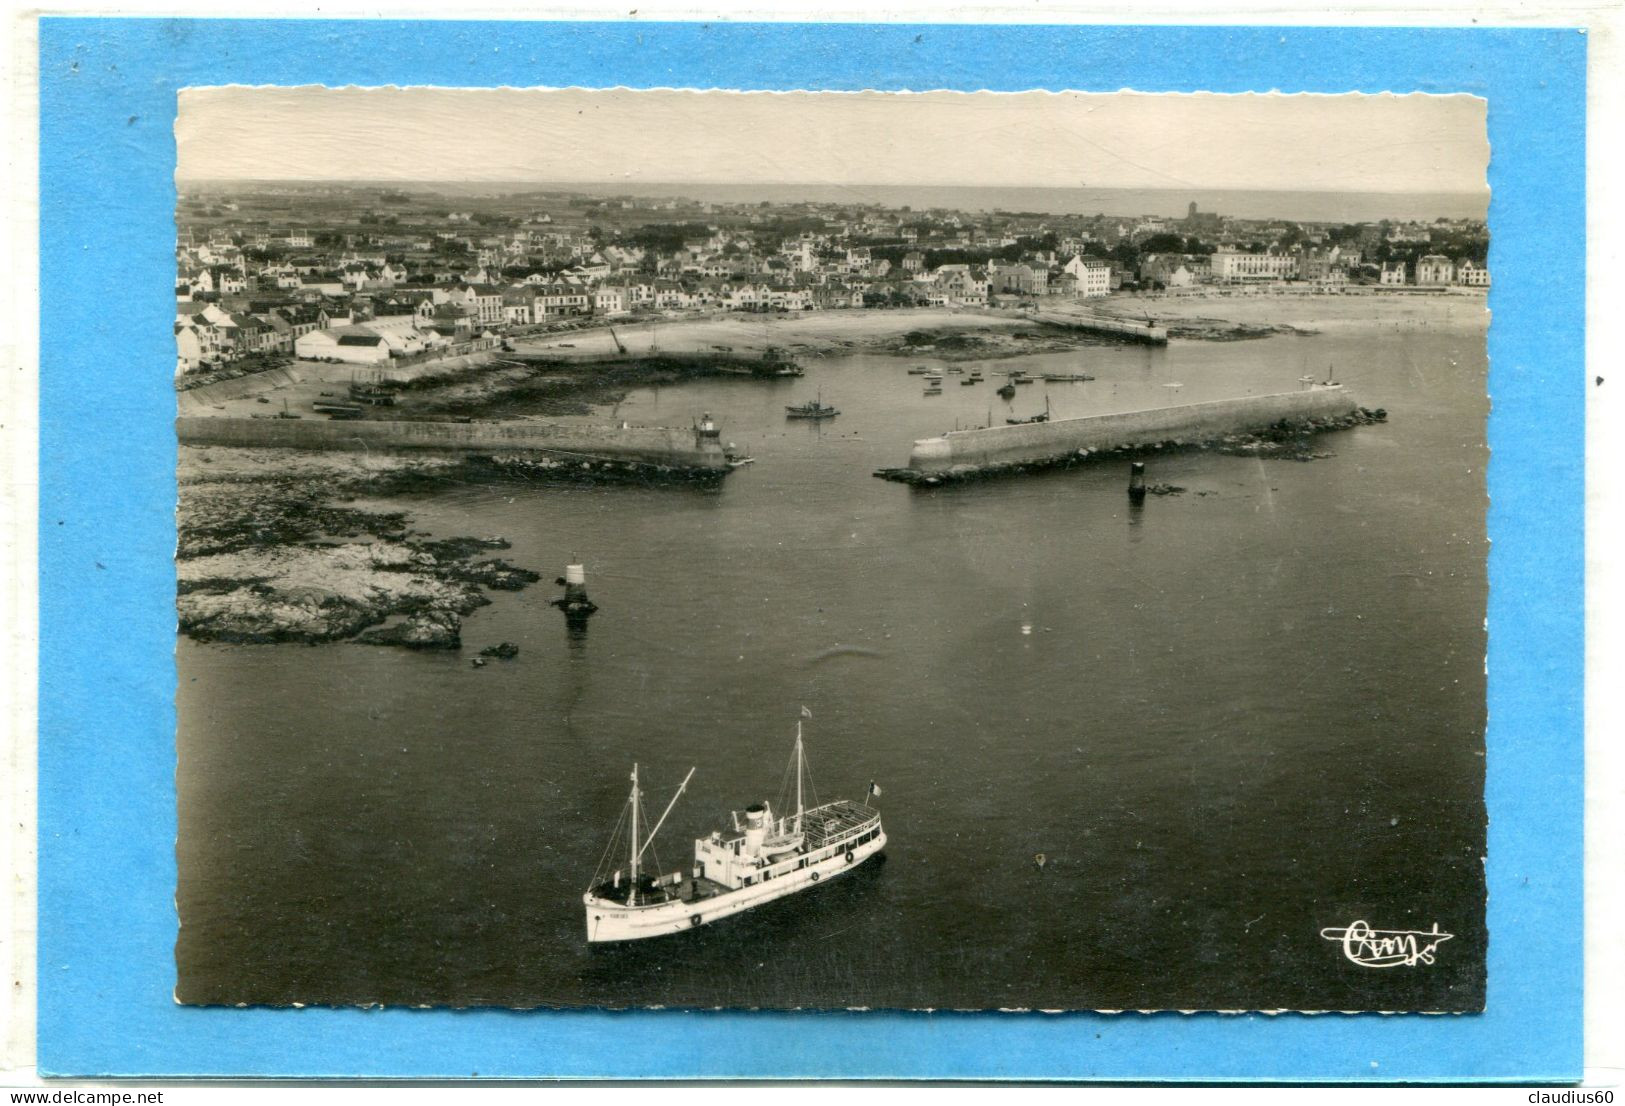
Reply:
x=632 y=894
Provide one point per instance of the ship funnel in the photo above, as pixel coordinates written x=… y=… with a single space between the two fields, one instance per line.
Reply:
x=755 y=828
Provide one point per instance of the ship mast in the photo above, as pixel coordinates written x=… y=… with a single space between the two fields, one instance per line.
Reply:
x=632 y=893
x=799 y=758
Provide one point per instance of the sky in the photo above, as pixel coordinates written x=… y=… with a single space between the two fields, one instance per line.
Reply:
x=1366 y=143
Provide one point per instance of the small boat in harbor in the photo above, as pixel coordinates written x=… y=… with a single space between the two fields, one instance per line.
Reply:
x=918 y=370
x=1007 y=390
x=374 y=391
x=933 y=389
x=1042 y=416
x=775 y=363
x=812 y=409
x=955 y=369
x=759 y=859
x=970 y=381
x=336 y=410
x=1067 y=378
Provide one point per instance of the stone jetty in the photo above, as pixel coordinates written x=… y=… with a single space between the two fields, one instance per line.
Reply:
x=661 y=449
x=1133 y=330
x=996 y=450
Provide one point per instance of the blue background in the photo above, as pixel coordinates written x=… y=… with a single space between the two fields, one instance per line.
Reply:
x=107 y=494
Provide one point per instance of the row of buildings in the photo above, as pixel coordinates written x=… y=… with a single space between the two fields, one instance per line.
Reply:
x=1332 y=267
x=368 y=313
x=448 y=280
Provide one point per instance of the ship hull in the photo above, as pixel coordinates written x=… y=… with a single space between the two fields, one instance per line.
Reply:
x=611 y=921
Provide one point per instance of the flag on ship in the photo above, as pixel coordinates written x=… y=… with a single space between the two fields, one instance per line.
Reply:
x=805 y=713
x=874 y=790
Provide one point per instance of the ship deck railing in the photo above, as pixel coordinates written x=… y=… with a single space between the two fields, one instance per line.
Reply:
x=833 y=821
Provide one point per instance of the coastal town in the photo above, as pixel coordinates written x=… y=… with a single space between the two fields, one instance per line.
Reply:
x=388 y=276
x=456 y=334
x=1100 y=476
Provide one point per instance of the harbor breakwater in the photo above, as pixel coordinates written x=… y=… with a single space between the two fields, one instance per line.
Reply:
x=636 y=447
x=968 y=453
x=1134 y=330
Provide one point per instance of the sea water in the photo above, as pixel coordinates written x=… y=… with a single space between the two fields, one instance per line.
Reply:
x=1129 y=756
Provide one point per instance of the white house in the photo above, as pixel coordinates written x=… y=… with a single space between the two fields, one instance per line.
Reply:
x=484 y=300
x=1435 y=269
x=609 y=300
x=1094 y=276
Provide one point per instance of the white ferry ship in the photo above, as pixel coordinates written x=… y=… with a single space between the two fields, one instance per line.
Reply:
x=761 y=858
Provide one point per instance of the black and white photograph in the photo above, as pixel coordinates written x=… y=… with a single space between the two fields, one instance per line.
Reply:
x=829 y=551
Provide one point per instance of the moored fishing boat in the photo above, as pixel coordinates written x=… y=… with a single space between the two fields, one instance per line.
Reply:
x=1042 y=416
x=760 y=859
x=775 y=363
x=812 y=409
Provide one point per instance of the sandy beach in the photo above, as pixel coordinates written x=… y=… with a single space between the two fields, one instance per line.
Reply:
x=1211 y=314
x=1302 y=311
x=811 y=332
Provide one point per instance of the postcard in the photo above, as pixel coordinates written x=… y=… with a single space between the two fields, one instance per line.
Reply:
x=1148 y=681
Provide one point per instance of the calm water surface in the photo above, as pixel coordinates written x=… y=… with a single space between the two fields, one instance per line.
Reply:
x=1227 y=720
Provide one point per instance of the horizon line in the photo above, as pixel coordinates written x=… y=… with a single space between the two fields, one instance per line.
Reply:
x=821 y=184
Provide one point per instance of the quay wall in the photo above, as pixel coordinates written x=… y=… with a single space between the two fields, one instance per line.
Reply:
x=394 y=371
x=1131 y=329
x=665 y=447
x=1193 y=422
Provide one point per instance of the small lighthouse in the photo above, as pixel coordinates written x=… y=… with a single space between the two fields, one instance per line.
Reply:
x=574 y=602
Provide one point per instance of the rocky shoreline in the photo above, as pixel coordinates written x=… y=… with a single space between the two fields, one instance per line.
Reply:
x=530 y=384
x=1221 y=330
x=268 y=553
x=946 y=344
